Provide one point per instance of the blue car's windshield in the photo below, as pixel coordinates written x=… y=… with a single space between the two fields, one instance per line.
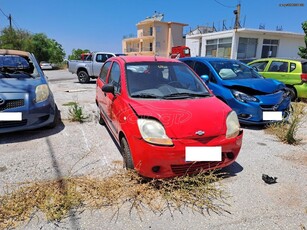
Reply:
x=14 y=66
x=163 y=80
x=231 y=69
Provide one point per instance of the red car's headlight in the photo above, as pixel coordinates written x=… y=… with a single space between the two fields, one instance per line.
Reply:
x=153 y=132
x=233 y=125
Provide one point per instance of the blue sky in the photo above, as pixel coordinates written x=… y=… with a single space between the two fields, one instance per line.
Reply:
x=101 y=24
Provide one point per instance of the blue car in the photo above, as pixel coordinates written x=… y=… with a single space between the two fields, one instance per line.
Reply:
x=26 y=101
x=243 y=89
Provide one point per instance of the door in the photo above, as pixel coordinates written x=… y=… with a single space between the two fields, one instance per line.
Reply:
x=101 y=96
x=278 y=70
x=113 y=101
x=202 y=69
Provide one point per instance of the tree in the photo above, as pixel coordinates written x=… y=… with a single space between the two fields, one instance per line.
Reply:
x=44 y=48
x=13 y=39
x=76 y=54
x=303 y=50
x=56 y=51
x=39 y=45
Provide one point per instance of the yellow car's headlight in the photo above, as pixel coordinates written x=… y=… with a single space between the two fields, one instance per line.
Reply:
x=153 y=132
x=42 y=93
x=233 y=125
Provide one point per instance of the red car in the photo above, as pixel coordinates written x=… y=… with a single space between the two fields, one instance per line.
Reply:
x=164 y=118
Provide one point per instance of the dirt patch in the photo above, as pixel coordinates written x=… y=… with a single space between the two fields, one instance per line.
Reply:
x=297 y=158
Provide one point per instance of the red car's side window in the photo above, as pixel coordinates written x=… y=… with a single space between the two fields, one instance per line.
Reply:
x=104 y=71
x=114 y=77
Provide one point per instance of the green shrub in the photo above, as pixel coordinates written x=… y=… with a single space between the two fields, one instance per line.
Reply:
x=75 y=112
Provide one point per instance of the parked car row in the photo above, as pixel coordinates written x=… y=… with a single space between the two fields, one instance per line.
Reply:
x=169 y=117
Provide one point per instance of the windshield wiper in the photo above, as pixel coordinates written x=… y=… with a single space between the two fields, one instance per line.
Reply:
x=145 y=95
x=5 y=74
x=23 y=72
x=185 y=95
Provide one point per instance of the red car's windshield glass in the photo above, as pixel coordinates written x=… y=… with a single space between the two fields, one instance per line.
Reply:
x=160 y=79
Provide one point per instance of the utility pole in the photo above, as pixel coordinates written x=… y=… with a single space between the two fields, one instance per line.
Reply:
x=237 y=13
x=10 y=19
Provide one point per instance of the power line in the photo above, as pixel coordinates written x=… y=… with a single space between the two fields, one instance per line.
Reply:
x=4 y=13
x=11 y=19
x=224 y=4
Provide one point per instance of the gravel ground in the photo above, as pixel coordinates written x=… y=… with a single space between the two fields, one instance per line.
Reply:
x=87 y=149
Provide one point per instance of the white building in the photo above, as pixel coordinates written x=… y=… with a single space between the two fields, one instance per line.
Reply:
x=244 y=43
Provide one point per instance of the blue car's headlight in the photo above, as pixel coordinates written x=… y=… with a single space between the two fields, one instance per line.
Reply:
x=243 y=97
x=42 y=93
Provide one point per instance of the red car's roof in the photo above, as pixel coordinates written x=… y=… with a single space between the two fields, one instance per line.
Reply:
x=144 y=59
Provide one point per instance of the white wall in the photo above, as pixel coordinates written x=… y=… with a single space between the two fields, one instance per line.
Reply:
x=288 y=45
x=193 y=44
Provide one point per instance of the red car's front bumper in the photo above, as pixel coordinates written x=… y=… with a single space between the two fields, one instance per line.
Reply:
x=169 y=161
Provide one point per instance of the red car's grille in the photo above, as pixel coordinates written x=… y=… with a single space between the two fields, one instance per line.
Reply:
x=193 y=167
x=8 y=124
x=9 y=104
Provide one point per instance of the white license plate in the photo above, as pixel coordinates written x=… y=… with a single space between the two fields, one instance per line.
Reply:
x=209 y=153
x=10 y=116
x=272 y=116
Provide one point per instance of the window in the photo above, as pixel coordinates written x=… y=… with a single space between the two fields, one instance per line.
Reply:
x=247 y=48
x=104 y=71
x=292 y=66
x=203 y=69
x=259 y=66
x=219 y=47
x=103 y=57
x=189 y=63
x=114 y=78
x=278 y=66
x=269 y=48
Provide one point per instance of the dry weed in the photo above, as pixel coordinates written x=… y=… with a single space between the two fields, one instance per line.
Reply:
x=286 y=131
x=202 y=193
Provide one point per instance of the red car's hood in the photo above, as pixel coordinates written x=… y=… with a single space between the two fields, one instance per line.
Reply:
x=183 y=118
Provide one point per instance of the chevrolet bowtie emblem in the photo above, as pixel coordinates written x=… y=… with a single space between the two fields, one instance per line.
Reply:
x=200 y=133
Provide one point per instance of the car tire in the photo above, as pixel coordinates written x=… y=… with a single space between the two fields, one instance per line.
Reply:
x=101 y=120
x=293 y=94
x=83 y=77
x=125 y=149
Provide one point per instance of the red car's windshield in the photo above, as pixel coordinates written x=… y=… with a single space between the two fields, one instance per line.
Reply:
x=160 y=80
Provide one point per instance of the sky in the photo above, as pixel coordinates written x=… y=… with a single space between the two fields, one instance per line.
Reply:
x=100 y=25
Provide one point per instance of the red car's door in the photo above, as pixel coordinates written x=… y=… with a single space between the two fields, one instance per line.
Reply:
x=101 y=96
x=113 y=101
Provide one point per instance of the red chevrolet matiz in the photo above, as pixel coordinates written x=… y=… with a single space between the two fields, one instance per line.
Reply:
x=164 y=118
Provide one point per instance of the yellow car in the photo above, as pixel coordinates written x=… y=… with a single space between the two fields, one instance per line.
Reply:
x=292 y=72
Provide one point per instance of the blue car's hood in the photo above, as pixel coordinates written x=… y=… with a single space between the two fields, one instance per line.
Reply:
x=257 y=84
x=14 y=85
